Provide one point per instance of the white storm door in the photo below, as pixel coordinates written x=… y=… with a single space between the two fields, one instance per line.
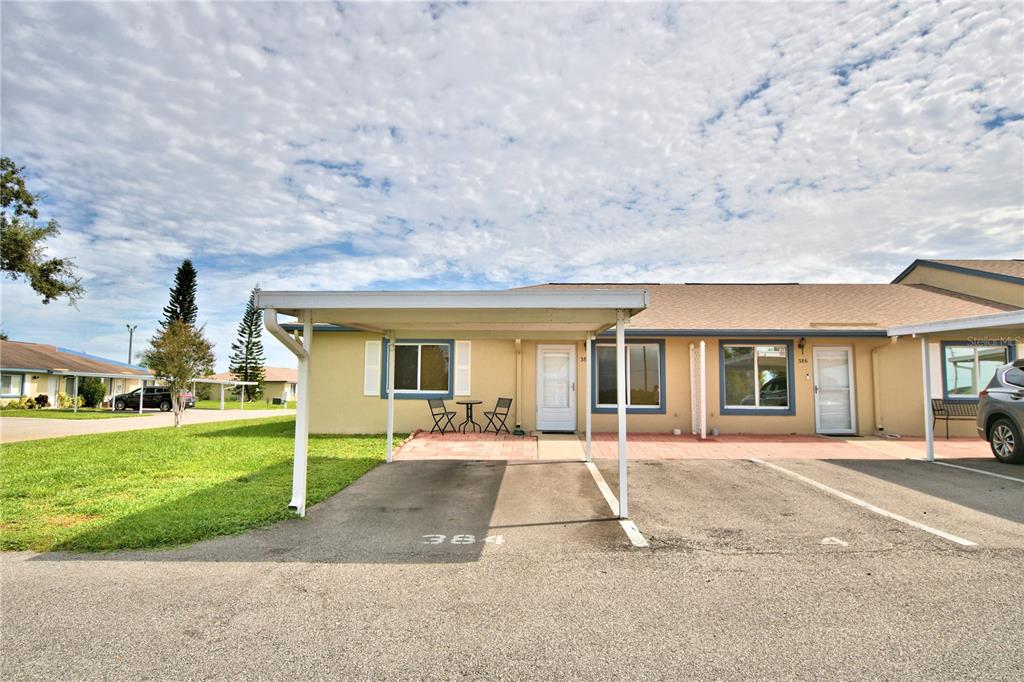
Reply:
x=556 y=388
x=834 y=403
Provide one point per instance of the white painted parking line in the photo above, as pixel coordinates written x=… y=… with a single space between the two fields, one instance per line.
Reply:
x=632 y=532
x=867 y=505
x=977 y=471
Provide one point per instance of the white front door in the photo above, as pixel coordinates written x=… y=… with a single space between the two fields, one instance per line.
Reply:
x=556 y=388
x=834 y=402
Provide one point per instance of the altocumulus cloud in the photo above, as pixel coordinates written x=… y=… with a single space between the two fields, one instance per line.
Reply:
x=403 y=145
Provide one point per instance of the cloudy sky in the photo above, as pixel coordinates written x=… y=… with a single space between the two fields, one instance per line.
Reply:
x=353 y=146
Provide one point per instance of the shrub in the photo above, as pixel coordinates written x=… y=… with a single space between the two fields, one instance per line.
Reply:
x=91 y=392
x=65 y=400
x=42 y=400
x=22 y=403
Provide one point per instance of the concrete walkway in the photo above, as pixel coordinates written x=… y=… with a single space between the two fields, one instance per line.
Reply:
x=13 y=429
x=663 y=446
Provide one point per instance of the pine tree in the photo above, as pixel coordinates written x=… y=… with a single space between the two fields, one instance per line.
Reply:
x=246 y=362
x=182 y=305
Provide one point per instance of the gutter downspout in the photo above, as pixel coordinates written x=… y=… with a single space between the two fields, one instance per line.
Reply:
x=518 y=431
x=876 y=385
x=302 y=352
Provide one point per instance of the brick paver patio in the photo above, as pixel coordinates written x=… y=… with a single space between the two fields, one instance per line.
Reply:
x=657 y=446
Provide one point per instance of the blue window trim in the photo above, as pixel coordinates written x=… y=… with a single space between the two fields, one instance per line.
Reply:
x=419 y=395
x=604 y=409
x=15 y=395
x=1011 y=354
x=756 y=411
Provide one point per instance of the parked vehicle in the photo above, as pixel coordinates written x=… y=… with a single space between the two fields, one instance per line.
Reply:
x=1001 y=413
x=158 y=397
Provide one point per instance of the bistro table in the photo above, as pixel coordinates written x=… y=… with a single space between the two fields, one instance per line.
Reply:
x=469 y=415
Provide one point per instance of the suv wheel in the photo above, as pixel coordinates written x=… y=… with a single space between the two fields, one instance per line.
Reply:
x=165 y=406
x=1004 y=437
x=119 y=405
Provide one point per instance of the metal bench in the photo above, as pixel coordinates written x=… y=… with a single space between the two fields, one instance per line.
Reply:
x=953 y=409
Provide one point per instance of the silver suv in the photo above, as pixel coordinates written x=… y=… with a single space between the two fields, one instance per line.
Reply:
x=1001 y=413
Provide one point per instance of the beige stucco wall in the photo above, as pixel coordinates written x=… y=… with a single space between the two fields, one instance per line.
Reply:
x=339 y=406
x=337 y=403
x=972 y=285
x=900 y=402
x=273 y=389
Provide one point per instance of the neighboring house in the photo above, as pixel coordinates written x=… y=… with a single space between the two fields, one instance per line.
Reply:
x=278 y=382
x=993 y=280
x=742 y=358
x=31 y=369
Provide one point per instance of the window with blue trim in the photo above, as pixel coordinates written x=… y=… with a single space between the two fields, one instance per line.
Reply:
x=422 y=367
x=11 y=385
x=756 y=377
x=643 y=375
x=968 y=367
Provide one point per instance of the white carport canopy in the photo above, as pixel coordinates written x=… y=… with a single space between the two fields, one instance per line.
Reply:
x=580 y=314
x=1002 y=325
x=222 y=383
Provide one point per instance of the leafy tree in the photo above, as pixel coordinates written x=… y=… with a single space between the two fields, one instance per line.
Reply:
x=178 y=354
x=246 y=362
x=92 y=391
x=182 y=305
x=22 y=241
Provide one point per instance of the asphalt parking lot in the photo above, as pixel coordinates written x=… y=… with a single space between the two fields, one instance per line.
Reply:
x=519 y=570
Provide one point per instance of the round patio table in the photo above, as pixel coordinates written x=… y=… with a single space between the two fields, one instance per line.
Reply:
x=469 y=414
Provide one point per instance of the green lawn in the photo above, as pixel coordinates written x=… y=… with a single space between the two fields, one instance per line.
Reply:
x=235 y=405
x=163 y=487
x=67 y=413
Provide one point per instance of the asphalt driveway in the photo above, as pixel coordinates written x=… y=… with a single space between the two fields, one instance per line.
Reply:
x=531 y=578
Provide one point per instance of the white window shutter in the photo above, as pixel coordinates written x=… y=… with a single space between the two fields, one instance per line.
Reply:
x=463 y=361
x=371 y=369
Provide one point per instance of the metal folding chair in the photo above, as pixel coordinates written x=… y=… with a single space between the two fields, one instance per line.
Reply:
x=442 y=417
x=499 y=415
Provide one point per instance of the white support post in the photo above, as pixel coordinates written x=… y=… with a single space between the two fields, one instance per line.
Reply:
x=620 y=400
x=703 y=391
x=587 y=420
x=112 y=396
x=391 y=396
x=222 y=396
x=298 y=503
x=926 y=367
x=241 y=403
x=74 y=398
x=142 y=393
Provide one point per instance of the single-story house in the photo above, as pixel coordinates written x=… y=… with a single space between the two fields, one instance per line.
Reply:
x=278 y=382
x=777 y=358
x=31 y=369
x=782 y=358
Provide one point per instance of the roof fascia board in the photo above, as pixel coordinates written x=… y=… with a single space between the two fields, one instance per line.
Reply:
x=453 y=300
x=1007 y=319
x=958 y=269
x=825 y=333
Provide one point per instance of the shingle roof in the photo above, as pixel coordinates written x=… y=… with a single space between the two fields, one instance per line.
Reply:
x=798 y=307
x=289 y=374
x=39 y=356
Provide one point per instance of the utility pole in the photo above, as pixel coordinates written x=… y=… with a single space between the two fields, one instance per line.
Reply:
x=131 y=333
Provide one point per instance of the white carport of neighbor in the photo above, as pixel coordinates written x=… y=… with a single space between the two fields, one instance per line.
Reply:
x=579 y=314
x=999 y=325
x=223 y=383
